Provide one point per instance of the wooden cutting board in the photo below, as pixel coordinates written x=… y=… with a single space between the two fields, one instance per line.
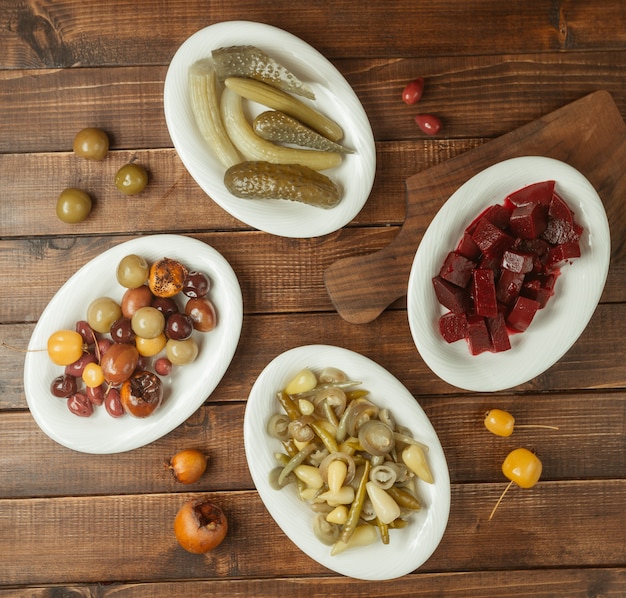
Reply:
x=588 y=134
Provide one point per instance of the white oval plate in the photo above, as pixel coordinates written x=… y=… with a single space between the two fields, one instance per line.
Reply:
x=186 y=388
x=408 y=548
x=334 y=97
x=556 y=327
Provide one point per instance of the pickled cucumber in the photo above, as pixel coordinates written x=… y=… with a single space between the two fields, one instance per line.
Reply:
x=277 y=126
x=294 y=182
x=250 y=61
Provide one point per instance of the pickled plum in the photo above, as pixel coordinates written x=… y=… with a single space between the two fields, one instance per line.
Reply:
x=505 y=267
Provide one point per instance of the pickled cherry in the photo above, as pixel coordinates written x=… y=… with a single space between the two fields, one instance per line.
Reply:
x=502 y=423
x=63 y=386
x=521 y=467
x=197 y=284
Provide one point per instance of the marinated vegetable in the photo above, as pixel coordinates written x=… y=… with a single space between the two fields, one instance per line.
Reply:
x=264 y=180
x=280 y=100
x=205 y=105
x=252 y=62
x=279 y=127
x=356 y=469
x=252 y=147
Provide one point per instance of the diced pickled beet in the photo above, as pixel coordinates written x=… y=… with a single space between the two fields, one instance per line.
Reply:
x=451 y=296
x=491 y=240
x=517 y=261
x=467 y=248
x=522 y=314
x=453 y=327
x=561 y=231
x=457 y=269
x=498 y=215
x=560 y=210
x=478 y=339
x=490 y=263
x=540 y=193
x=539 y=247
x=559 y=255
x=484 y=293
x=528 y=221
x=540 y=287
x=509 y=286
x=499 y=335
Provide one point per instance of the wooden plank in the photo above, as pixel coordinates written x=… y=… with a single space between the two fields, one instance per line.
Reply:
x=60 y=35
x=540 y=583
x=112 y=538
x=173 y=201
x=269 y=269
x=43 y=109
x=583 y=447
x=594 y=362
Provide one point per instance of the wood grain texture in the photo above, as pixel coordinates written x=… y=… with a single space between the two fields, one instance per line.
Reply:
x=582 y=448
x=479 y=96
x=530 y=529
x=99 y=526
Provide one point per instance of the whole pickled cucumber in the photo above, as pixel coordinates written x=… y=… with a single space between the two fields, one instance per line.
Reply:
x=277 y=126
x=252 y=62
x=265 y=180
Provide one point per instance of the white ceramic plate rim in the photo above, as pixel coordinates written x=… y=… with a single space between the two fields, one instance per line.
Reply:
x=556 y=327
x=334 y=97
x=188 y=386
x=409 y=548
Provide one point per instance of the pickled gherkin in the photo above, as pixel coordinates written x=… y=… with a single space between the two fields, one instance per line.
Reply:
x=254 y=63
x=265 y=180
x=279 y=127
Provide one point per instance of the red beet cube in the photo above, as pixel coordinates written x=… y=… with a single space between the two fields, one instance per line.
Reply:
x=540 y=193
x=517 y=261
x=451 y=296
x=478 y=339
x=560 y=210
x=491 y=240
x=561 y=231
x=499 y=336
x=453 y=327
x=509 y=286
x=484 y=293
x=457 y=269
x=528 y=221
x=559 y=255
x=468 y=248
x=498 y=215
x=522 y=314
x=540 y=288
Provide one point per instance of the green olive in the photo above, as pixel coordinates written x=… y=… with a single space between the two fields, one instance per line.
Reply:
x=73 y=205
x=131 y=179
x=91 y=144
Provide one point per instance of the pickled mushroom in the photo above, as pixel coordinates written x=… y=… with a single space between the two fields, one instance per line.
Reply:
x=376 y=437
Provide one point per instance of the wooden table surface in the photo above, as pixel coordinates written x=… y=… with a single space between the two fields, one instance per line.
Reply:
x=101 y=525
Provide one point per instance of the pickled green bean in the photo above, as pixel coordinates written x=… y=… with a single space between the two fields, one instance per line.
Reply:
x=356 y=507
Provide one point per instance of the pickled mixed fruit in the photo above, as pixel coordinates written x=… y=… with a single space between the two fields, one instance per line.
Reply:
x=119 y=354
x=505 y=267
